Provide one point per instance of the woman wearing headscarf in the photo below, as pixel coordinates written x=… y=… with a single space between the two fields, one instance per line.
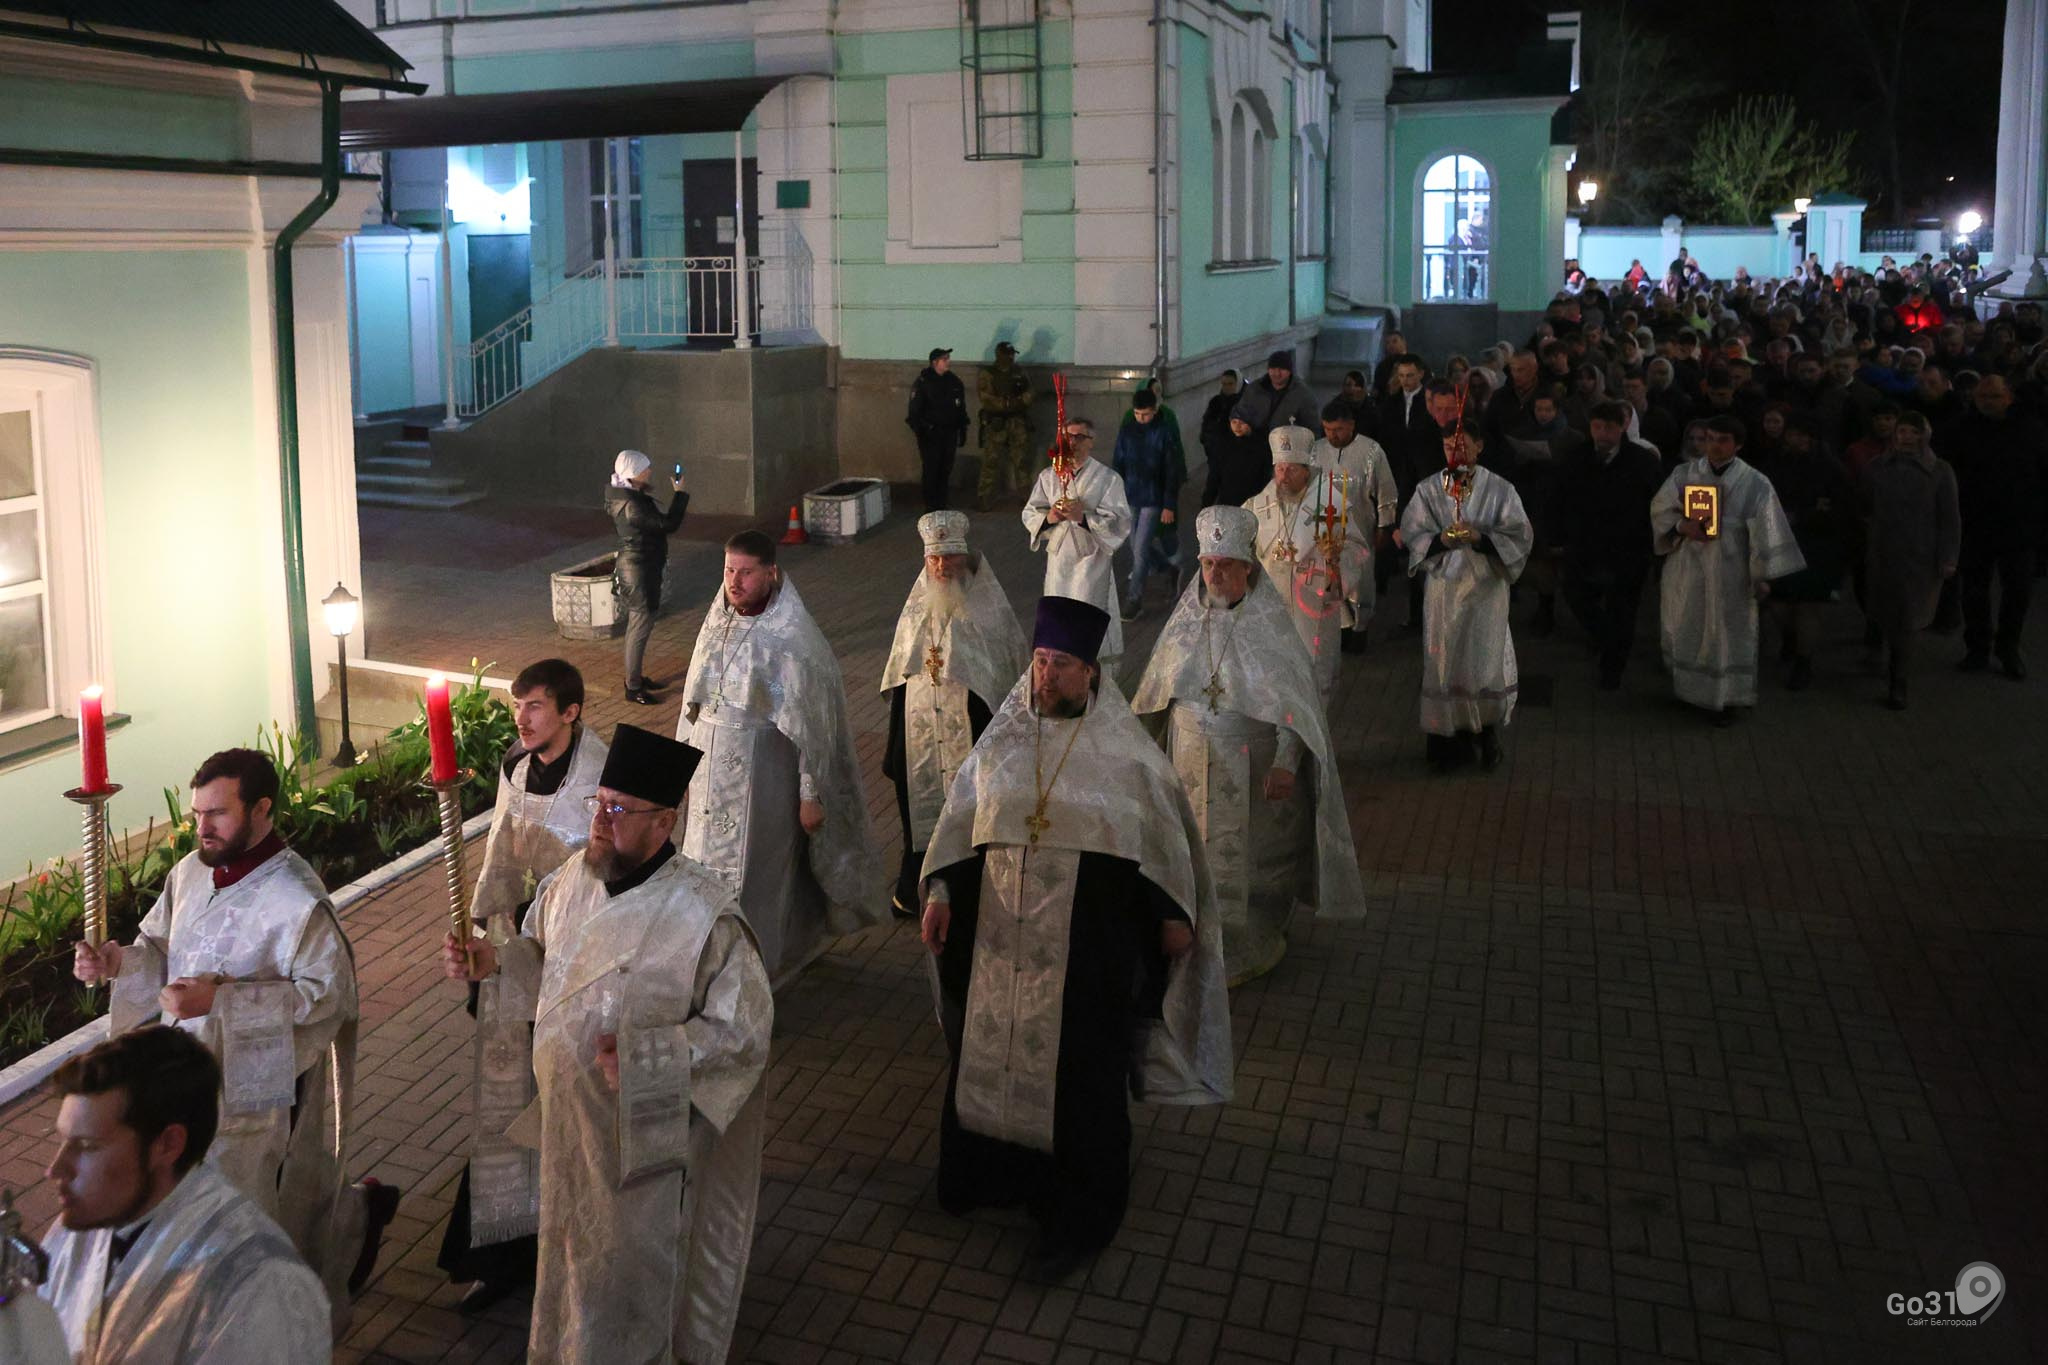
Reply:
x=644 y=528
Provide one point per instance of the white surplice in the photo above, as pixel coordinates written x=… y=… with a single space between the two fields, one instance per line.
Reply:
x=1378 y=500
x=1469 y=681
x=979 y=651
x=1317 y=547
x=765 y=703
x=1709 y=612
x=1240 y=699
x=647 y=1208
x=209 y=1280
x=1080 y=555
x=284 y=1029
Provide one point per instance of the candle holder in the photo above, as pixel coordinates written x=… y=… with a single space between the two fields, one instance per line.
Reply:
x=449 y=796
x=92 y=818
x=23 y=1264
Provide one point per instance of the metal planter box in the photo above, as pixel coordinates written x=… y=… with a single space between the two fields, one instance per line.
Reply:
x=583 y=602
x=842 y=512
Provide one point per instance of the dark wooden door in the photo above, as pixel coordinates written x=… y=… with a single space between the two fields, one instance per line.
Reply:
x=708 y=230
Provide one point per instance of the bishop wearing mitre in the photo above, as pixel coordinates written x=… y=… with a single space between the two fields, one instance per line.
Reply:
x=957 y=653
x=1232 y=688
x=1315 y=540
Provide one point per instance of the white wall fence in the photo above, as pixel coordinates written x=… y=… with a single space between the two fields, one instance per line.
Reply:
x=1835 y=232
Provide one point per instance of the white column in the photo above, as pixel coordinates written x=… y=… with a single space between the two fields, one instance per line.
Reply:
x=355 y=363
x=742 y=291
x=2019 y=217
x=611 y=246
x=1361 y=209
x=449 y=420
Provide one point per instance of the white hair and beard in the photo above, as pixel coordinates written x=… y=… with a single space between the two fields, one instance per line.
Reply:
x=947 y=597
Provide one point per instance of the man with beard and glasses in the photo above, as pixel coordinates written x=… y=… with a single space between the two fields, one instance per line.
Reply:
x=653 y=1014
x=1079 y=955
x=957 y=652
x=244 y=951
x=776 y=807
x=156 y=1259
x=539 y=821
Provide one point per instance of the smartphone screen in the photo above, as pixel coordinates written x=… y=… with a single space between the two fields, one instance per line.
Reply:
x=679 y=470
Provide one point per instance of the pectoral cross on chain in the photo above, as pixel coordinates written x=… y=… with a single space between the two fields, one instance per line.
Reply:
x=933 y=663
x=1214 y=690
x=1037 y=823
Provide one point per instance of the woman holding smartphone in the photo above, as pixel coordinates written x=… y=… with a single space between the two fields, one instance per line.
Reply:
x=644 y=529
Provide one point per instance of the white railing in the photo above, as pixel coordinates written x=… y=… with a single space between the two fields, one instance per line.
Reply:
x=661 y=301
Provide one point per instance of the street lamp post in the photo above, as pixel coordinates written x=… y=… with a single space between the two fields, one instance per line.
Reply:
x=339 y=607
x=1589 y=190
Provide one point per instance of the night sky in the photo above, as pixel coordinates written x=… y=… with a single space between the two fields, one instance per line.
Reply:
x=1948 y=118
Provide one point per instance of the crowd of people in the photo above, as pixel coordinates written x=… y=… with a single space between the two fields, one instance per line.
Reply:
x=1092 y=872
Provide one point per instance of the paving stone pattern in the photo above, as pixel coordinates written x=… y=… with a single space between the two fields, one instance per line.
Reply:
x=1660 y=1043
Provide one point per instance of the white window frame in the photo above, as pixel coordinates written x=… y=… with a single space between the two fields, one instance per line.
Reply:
x=1423 y=249
x=585 y=194
x=1308 y=199
x=59 y=392
x=1243 y=184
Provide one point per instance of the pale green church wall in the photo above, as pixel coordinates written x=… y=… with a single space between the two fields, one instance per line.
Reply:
x=1218 y=309
x=190 y=529
x=1515 y=148
x=585 y=68
x=899 y=312
x=383 y=332
x=67 y=116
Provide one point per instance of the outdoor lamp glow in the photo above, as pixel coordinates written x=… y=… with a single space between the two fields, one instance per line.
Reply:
x=339 y=607
x=1801 y=204
x=1969 y=221
x=1589 y=190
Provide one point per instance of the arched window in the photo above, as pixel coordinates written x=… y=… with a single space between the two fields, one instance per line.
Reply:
x=1308 y=198
x=1244 y=185
x=1259 y=196
x=1457 y=229
x=1237 y=240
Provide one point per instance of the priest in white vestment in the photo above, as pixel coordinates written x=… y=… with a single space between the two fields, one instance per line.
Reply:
x=1079 y=954
x=1468 y=537
x=155 y=1258
x=1078 y=514
x=957 y=652
x=1230 y=685
x=1373 y=484
x=652 y=1014
x=1725 y=536
x=776 y=807
x=1315 y=540
x=539 y=820
x=243 y=949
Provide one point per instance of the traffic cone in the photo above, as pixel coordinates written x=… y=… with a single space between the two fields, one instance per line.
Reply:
x=795 y=534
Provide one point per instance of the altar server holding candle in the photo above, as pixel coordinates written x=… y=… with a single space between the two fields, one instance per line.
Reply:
x=244 y=951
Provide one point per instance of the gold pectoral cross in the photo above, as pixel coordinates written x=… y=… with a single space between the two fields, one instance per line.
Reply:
x=933 y=663
x=1214 y=690
x=1287 y=550
x=1037 y=823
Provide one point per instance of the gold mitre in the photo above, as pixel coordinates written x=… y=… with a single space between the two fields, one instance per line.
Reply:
x=1227 y=532
x=944 y=533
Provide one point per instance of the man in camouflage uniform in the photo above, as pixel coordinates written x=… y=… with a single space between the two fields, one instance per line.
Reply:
x=1005 y=425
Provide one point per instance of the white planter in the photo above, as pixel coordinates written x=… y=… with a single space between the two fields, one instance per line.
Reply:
x=842 y=512
x=583 y=602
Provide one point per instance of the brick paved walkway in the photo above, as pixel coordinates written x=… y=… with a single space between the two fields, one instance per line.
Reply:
x=1660 y=1043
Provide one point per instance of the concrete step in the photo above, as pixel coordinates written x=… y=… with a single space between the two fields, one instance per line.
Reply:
x=409 y=447
x=432 y=502
x=396 y=464
x=407 y=481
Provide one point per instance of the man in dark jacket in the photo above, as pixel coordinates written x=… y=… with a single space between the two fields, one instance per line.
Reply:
x=1999 y=457
x=1217 y=442
x=938 y=417
x=644 y=529
x=1278 y=400
x=1153 y=467
x=1604 y=522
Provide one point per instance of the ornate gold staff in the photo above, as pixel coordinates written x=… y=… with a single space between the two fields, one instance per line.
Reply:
x=448 y=794
x=92 y=812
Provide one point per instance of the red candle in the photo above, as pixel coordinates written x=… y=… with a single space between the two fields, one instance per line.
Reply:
x=440 y=729
x=92 y=740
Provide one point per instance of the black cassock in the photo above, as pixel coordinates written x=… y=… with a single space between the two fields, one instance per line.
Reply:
x=1116 y=977
x=896 y=768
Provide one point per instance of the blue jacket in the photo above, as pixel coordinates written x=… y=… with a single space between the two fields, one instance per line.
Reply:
x=1149 y=457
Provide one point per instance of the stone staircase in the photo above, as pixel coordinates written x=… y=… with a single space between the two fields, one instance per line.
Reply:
x=395 y=468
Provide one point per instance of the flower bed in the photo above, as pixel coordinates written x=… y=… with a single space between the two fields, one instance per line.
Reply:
x=361 y=819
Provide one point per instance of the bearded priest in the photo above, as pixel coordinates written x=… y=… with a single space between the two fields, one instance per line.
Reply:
x=776 y=807
x=957 y=653
x=1315 y=537
x=243 y=949
x=1079 y=954
x=1467 y=535
x=653 y=1015
x=1231 y=687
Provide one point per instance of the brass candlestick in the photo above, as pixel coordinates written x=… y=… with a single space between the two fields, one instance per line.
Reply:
x=92 y=819
x=449 y=795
